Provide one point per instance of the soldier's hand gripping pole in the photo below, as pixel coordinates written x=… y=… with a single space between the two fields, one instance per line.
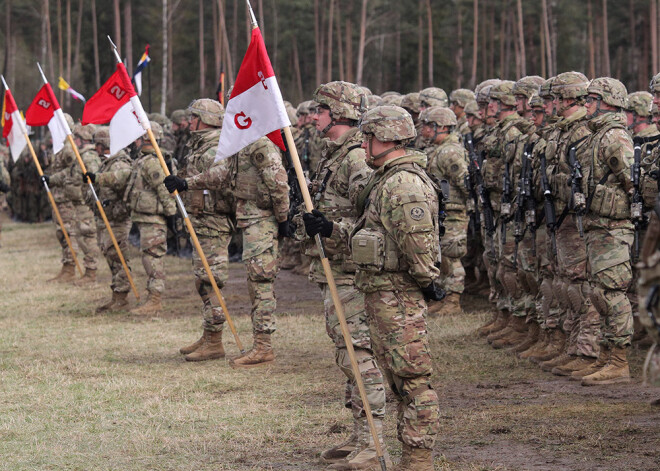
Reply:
x=144 y=121
x=99 y=206
x=339 y=308
x=21 y=124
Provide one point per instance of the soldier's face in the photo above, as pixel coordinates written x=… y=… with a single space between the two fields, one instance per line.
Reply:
x=321 y=118
x=302 y=120
x=548 y=106
x=537 y=117
x=493 y=109
x=656 y=99
x=521 y=101
x=592 y=104
x=427 y=131
x=473 y=121
x=630 y=118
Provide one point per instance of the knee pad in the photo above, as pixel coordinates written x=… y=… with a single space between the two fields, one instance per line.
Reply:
x=575 y=297
x=598 y=299
x=510 y=282
x=532 y=283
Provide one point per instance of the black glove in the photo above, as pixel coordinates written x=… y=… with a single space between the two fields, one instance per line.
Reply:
x=316 y=223
x=173 y=183
x=433 y=293
x=92 y=177
x=4 y=188
x=284 y=229
x=45 y=179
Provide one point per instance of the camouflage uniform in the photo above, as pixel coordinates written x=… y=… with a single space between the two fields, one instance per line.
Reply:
x=458 y=100
x=395 y=246
x=5 y=180
x=448 y=161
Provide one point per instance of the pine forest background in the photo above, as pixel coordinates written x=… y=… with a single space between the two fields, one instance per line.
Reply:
x=383 y=44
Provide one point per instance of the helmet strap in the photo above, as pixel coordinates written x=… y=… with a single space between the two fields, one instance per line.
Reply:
x=384 y=153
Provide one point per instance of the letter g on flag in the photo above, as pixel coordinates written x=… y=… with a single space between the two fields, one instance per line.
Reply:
x=242 y=121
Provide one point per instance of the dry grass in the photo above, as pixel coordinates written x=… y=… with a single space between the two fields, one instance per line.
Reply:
x=80 y=391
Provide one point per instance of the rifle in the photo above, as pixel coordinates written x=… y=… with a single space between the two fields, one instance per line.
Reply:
x=470 y=185
x=305 y=155
x=651 y=302
x=442 y=206
x=636 y=203
x=526 y=209
x=484 y=200
x=505 y=206
x=295 y=195
x=578 y=201
x=548 y=204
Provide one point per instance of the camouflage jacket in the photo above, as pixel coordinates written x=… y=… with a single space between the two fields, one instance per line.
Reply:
x=258 y=181
x=449 y=161
x=309 y=144
x=4 y=173
x=401 y=210
x=59 y=174
x=210 y=210
x=112 y=200
x=462 y=127
x=649 y=163
x=339 y=178
x=180 y=148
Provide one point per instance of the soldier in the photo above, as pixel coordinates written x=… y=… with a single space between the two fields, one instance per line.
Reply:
x=608 y=229
x=308 y=142
x=458 y=100
x=432 y=96
x=60 y=170
x=211 y=213
x=411 y=103
x=399 y=209
x=150 y=204
x=117 y=213
x=339 y=178
x=5 y=180
x=259 y=185
x=448 y=160
x=181 y=131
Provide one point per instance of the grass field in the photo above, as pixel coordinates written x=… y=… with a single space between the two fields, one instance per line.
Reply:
x=79 y=391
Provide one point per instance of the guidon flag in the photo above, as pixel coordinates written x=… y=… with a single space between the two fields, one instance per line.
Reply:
x=45 y=110
x=13 y=126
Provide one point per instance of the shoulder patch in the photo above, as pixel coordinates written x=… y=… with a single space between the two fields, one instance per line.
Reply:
x=417 y=213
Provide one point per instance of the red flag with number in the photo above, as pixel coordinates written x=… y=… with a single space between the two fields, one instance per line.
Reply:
x=45 y=110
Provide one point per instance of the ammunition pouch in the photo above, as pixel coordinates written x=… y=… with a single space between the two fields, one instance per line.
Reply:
x=610 y=202
x=648 y=187
x=374 y=251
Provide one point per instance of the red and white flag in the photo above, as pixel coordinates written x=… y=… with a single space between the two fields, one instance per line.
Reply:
x=13 y=126
x=117 y=103
x=255 y=108
x=45 y=110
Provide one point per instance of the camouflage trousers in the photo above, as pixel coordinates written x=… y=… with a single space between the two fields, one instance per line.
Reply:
x=120 y=229
x=397 y=321
x=356 y=318
x=506 y=272
x=453 y=246
x=610 y=275
x=490 y=258
x=261 y=262
x=527 y=271
x=68 y=215
x=153 y=245
x=547 y=305
x=215 y=249
x=86 y=235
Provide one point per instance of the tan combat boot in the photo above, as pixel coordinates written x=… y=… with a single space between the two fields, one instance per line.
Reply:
x=616 y=371
x=603 y=359
x=533 y=331
x=211 y=349
x=560 y=360
x=117 y=303
x=261 y=353
x=450 y=305
x=541 y=343
x=88 y=279
x=341 y=451
x=66 y=274
x=517 y=335
x=193 y=346
x=488 y=326
x=364 y=455
x=553 y=349
x=415 y=459
x=152 y=307
x=577 y=364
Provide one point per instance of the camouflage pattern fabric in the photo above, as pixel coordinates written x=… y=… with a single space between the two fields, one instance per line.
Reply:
x=86 y=235
x=309 y=144
x=215 y=250
x=153 y=245
x=649 y=277
x=120 y=229
x=68 y=215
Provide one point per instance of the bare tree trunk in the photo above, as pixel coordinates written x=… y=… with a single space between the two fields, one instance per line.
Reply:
x=163 y=99
x=503 y=35
x=330 y=40
x=128 y=35
x=363 y=32
x=76 y=55
x=225 y=40
x=171 y=7
x=349 y=49
x=117 y=32
x=44 y=34
x=69 y=34
x=459 y=46
x=397 y=52
x=95 y=42
x=262 y=23
x=548 y=43
x=521 y=37
x=654 y=36
x=202 y=62
x=276 y=35
x=296 y=67
x=317 y=42
x=420 y=47
x=542 y=48
x=475 y=42
x=7 y=61
x=217 y=43
x=234 y=35
x=60 y=47
x=429 y=17
x=592 y=49
x=340 y=43
x=643 y=72
x=491 y=41
x=606 y=42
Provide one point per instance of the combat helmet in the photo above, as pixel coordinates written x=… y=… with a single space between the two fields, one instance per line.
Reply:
x=640 y=103
x=439 y=116
x=86 y=132
x=472 y=109
x=546 y=90
x=433 y=96
x=157 y=130
x=305 y=108
x=535 y=101
x=373 y=101
x=387 y=123
x=483 y=91
x=411 y=102
x=654 y=86
x=503 y=92
x=161 y=119
x=345 y=100
x=461 y=96
x=69 y=120
x=102 y=136
x=526 y=86
x=482 y=85
x=209 y=111
x=610 y=90
x=389 y=93
x=391 y=99
x=178 y=116
x=570 y=85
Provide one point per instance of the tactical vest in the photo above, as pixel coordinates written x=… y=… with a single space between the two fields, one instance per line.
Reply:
x=456 y=201
x=113 y=202
x=248 y=184
x=139 y=196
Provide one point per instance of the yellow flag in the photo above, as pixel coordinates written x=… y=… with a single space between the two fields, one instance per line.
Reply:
x=4 y=107
x=62 y=85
